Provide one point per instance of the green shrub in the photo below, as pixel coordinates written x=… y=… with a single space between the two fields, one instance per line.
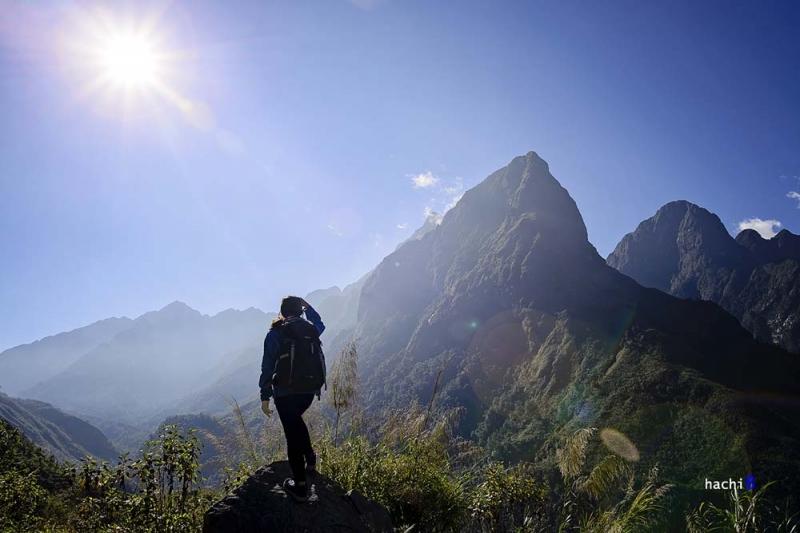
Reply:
x=22 y=502
x=508 y=499
x=607 y=496
x=155 y=493
x=407 y=460
x=747 y=511
x=415 y=483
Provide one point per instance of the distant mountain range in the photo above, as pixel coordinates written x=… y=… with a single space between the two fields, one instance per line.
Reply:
x=66 y=437
x=236 y=380
x=156 y=360
x=126 y=375
x=506 y=309
x=26 y=365
x=686 y=251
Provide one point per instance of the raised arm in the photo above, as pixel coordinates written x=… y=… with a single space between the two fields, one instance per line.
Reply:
x=313 y=317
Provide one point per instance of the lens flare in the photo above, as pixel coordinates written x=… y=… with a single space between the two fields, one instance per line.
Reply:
x=619 y=444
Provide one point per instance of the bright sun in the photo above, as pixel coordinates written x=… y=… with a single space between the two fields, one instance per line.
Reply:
x=126 y=64
x=118 y=56
x=129 y=61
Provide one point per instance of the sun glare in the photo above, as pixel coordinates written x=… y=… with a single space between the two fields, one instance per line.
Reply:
x=118 y=56
x=129 y=65
x=129 y=60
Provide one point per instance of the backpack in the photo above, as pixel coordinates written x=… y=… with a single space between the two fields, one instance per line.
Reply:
x=301 y=364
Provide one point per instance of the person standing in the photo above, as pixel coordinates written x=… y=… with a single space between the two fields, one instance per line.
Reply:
x=293 y=372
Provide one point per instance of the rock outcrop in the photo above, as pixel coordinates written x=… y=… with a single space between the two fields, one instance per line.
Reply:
x=260 y=505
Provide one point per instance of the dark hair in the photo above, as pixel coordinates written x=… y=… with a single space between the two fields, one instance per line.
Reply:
x=291 y=306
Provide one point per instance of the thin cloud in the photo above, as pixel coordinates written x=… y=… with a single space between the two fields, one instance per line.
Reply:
x=456 y=188
x=454 y=191
x=766 y=228
x=404 y=225
x=444 y=193
x=453 y=201
x=794 y=195
x=424 y=180
x=429 y=213
x=333 y=229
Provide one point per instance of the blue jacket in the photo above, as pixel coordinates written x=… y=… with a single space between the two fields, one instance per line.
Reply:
x=272 y=345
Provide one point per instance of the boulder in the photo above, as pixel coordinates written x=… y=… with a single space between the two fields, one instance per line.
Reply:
x=261 y=505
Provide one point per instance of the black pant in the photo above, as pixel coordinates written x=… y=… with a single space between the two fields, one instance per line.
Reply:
x=298 y=443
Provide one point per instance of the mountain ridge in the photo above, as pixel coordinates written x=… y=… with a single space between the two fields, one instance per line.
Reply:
x=685 y=251
x=159 y=359
x=24 y=365
x=65 y=436
x=507 y=311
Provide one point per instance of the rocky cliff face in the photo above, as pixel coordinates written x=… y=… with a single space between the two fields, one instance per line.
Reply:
x=261 y=505
x=685 y=250
x=517 y=227
x=534 y=335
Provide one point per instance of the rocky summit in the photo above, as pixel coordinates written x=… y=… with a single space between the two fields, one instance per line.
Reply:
x=686 y=251
x=260 y=505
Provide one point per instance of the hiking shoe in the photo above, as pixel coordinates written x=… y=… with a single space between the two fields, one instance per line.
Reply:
x=311 y=463
x=299 y=493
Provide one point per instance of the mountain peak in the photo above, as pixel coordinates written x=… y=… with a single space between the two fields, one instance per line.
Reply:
x=523 y=188
x=176 y=306
x=678 y=211
x=237 y=314
x=686 y=251
x=787 y=238
x=506 y=234
x=176 y=310
x=784 y=245
x=534 y=158
x=678 y=204
x=750 y=239
x=669 y=250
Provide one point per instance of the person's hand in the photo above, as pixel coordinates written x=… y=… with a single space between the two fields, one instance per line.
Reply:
x=303 y=303
x=265 y=408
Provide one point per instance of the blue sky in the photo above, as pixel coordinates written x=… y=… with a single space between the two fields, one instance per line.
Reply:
x=288 y=163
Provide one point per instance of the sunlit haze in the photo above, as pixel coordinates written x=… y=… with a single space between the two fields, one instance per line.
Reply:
x=155 y=151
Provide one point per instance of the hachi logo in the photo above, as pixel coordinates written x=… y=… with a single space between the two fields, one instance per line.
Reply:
x=746 y=483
